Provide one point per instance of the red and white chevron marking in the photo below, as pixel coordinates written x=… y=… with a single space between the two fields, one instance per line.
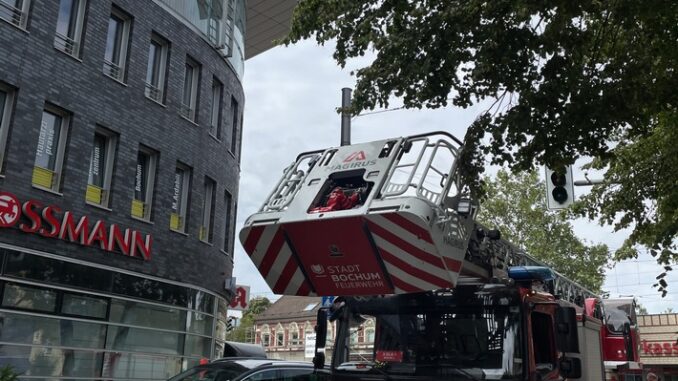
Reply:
x=268 y=250
x=408 y=252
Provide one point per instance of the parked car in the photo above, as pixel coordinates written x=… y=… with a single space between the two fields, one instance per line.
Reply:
x=253 y=369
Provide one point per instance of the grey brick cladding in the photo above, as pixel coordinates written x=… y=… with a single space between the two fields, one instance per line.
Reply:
x=40 y=73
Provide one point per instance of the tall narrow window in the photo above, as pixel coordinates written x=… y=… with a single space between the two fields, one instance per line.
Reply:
x=157 y=65
x=215 y=114
x=234 y=125
x=117 y=42
x=144 y=180
x=69 y=26
x=49 y=154
x=15 y=11
x=189 y=100
x=101 y=167
x=182 y=183
x=206 y=231
x=228 y=218
x=6 y=98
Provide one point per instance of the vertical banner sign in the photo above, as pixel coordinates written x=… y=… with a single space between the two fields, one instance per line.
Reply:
x=140 y=178
x=45 y=155
x=241 y=299
x=309 y=345
x=178 y=185
x=97 y=163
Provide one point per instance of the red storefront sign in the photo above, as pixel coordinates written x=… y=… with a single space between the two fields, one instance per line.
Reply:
x=389 y=356
x=51 y=222
x=659 y=348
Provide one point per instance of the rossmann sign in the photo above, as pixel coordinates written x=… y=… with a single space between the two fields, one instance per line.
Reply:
x=664 y=348
x=34 y=217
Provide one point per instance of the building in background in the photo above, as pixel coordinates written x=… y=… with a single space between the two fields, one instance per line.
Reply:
x=287 y=331
x=120 y=128
x=659 y=345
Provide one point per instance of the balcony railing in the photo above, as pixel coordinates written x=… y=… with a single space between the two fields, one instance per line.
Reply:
x=114 y=71
x=12 y=14
x=66 y=44
x=154 y=93
x=187 y=112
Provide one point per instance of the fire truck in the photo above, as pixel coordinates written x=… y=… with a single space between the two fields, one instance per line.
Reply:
x=388 y=229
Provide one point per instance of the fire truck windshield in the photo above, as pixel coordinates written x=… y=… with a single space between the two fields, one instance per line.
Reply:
x=474 y=337
x=619 y=312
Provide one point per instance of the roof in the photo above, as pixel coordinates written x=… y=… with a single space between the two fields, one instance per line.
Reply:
x=266 y=21
x=291 y=307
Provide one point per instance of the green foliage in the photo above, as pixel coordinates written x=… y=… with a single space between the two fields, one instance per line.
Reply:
x=243 y=333
x=516 y=205
x=640 y=309
x=7 y=374
x=568 y=79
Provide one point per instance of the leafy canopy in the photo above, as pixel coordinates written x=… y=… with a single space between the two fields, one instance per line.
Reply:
x=244 y=331
x=567 y=78
x=516 y=205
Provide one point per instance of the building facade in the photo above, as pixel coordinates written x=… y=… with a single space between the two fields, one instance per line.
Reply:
x=286 y=330
x=659 y=345
x=120 y=127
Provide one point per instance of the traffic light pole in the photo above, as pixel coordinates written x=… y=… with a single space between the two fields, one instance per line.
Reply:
x=588 y=182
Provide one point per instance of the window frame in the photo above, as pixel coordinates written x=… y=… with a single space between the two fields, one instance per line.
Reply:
x=217 y=105
x=228 y=222
x=156 y=91
x=61 y=41
x=190 y=110
x=206 y=232
x=111 y=143
x=235 y=109
x=22 y=13
x=5 y=120
x=121 y=66
x=150 y=183
x=183 y=199
x=57 y=171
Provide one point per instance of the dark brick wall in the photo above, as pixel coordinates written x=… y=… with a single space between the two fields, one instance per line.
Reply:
x=40 y=73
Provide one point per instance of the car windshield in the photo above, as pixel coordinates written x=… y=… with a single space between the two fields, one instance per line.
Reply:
x=220 y=372
x=475 y=338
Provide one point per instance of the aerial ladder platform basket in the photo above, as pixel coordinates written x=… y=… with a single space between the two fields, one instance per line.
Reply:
x=383 y=217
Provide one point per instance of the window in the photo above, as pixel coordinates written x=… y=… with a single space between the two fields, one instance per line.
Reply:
x=101 y=167
x=117 y=42
x=144 y=180
x=29 y=298
x=205 y=233
x=6 y=100
x=293 y=330
x=215 y=115
x=280 y=339
x=228 y=218
x=15 y=11
x=49 y=154
x=543 y=342
x=157 y=66
x=69 y=26
x=182 y=182
x=190 y=95
x=234 y=125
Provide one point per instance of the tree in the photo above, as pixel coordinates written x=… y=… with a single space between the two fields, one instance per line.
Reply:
x=7 y=373
x=567 y=79
x=640 y=309
x=243 y=332
x=668 y=311
x=516 y=205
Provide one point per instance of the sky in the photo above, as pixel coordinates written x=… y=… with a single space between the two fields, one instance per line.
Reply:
x=291 y=98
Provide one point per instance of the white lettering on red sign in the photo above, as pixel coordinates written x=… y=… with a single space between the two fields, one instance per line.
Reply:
x=47 y=222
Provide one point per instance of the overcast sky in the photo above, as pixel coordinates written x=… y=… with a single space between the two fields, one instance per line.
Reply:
x=291 y=97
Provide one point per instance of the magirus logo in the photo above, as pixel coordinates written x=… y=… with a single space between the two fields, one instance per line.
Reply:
x=355 y=156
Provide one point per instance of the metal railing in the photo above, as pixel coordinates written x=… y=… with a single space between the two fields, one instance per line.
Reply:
x=114 y=71
x=153 y=93
x=66 y=44
x=12 y=14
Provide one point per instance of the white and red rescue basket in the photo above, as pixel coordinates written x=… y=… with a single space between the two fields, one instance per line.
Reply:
x=365 y=219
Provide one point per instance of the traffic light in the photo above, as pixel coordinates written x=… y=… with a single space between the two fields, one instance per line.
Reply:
x=559 y=188
x=231 y=323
